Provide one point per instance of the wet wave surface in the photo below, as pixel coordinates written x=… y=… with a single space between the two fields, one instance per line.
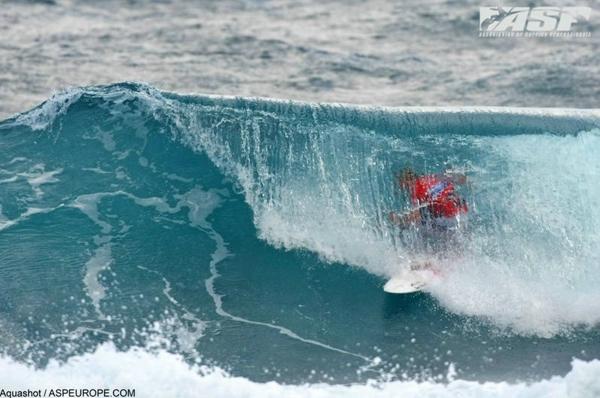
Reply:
x=251 y=235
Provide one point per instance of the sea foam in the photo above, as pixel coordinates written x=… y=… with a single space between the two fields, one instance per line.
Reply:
x=162 y=374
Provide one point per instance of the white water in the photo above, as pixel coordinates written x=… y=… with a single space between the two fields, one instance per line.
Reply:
x=536 y=268
x=162 y=374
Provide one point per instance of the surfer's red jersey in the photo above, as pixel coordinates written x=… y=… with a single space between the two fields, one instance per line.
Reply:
x=437 y=193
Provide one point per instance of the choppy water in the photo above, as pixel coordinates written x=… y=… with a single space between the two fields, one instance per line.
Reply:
x=370 y=52
x=194 y=244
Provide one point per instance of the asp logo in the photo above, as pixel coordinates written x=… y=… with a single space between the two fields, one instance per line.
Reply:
x=533 y=21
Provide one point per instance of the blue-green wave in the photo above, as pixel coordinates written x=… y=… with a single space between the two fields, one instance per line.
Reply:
x=253 y=233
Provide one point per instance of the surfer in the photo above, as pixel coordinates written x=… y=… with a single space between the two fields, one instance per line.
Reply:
x=434 y=199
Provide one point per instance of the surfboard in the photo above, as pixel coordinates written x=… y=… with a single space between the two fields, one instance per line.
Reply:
x=412 y=280
x=406 y=282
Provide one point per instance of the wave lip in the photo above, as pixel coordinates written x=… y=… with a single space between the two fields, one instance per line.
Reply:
x=480 y=120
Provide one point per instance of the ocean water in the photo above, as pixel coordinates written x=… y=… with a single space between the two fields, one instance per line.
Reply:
x=384 y=52
x=227 y=245
x=230 y=246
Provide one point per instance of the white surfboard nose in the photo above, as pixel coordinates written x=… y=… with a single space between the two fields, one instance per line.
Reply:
x=407 y=282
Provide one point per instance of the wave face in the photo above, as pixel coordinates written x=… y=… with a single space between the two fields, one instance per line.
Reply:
x=321 y=178
x=250 y=234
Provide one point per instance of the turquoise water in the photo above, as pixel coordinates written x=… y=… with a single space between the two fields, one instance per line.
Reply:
x=251 y=235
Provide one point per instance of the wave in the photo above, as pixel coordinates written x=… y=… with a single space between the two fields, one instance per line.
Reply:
x=319 y=177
